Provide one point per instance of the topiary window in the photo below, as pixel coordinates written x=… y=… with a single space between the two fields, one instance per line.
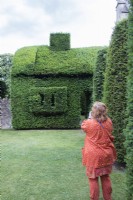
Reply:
x=48 y=100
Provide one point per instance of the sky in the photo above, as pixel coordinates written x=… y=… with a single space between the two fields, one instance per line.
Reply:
x=30 y=22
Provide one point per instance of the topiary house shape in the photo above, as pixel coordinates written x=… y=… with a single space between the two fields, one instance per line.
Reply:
x=51 y=85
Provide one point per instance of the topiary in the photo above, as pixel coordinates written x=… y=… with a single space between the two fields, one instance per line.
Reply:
x=115 y=84
x=129 y=127
x=98 y=76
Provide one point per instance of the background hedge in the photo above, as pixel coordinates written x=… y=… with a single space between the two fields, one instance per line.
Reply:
x=98 y=77
x=129 y=127
x=48 y=86
x=3 y=89
x=115 y=84
x=5 y=69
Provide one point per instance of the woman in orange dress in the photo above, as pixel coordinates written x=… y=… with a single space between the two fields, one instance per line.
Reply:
x=98 y=154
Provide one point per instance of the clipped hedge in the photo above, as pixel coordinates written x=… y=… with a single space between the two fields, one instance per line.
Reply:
x=115 y=84
x=53 y=100
x=48 y=86
x=40 y=60
x=60 y=41
x=30 y=97
x=129 y=128
x=24 y=61
x=98 y=77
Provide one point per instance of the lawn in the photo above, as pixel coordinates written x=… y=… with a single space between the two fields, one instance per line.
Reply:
x=46 y=165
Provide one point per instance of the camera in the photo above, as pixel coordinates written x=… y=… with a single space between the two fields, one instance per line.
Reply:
x=89 y=117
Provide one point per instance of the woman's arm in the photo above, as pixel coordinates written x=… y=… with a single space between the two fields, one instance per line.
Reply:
x=85 y=125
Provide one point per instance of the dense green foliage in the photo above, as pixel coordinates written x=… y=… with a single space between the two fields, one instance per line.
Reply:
x=48 y=86
x=24 y=61
x=60 y=41
x=98 y=77
x=47 y=102
x=5 y=69
x=3 y=89
x=53 y=100
x=115 y=84
x=129 y=127
x=41 y=60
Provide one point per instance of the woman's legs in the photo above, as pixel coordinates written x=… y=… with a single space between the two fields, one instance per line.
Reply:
x=94 y=188
x=106 y=187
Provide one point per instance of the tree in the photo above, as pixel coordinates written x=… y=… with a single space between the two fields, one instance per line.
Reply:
x=98 y=77
x=115 y=84
x=5 y=68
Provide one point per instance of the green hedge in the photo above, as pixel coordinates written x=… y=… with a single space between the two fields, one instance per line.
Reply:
x=24 y=61
x=32 y=105
x=41 y=60
x=98 y=77
x=129 y=127
x=115 y=84
x=60 y=41
x=48 y=86
x=53 y=100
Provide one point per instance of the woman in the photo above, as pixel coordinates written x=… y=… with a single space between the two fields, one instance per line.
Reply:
x=98 y=154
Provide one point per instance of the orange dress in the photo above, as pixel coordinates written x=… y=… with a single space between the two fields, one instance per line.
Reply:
x=99 y=152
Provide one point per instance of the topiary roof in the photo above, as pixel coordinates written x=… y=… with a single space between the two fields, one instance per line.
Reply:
x=41 y=60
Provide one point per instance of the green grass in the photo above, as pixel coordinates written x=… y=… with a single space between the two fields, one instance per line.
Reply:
x=46 y=165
